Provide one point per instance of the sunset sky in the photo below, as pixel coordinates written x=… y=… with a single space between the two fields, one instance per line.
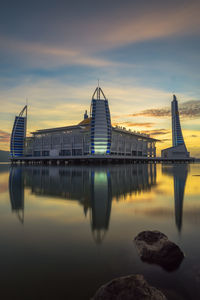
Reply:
x=143 y=52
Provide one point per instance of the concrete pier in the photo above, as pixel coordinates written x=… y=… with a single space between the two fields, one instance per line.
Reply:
x=93 y=159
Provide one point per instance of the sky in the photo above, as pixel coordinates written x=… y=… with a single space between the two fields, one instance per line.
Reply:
x=52 y=53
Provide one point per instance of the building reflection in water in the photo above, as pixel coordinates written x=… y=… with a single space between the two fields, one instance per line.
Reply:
x=93 y=187
x=16 y=190
x=179 y=173
x=101 y=199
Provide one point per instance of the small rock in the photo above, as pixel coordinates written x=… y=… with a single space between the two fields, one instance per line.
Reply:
x=132 y=287
x=155 y=247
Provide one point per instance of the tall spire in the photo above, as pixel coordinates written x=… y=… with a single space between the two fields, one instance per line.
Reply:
x=177 y=136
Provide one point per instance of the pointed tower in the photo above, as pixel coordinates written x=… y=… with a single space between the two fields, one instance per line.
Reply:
x=18 y=134
x=100 y=123
x=178 y=149
x=177 y=137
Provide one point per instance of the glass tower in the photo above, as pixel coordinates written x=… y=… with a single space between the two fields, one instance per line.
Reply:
x=177 y=137
x=100 y=123
x=18 y=134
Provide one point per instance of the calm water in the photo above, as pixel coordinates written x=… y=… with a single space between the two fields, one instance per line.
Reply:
x=64 y=231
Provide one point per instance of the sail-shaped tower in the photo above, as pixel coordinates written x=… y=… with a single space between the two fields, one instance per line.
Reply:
x=18 y=134
x=100 y=123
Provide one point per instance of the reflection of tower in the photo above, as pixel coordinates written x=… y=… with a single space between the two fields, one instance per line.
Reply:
x=16 y=190
x=180 y=176
x=177 y=137
x=179 y=173
x=101 y=199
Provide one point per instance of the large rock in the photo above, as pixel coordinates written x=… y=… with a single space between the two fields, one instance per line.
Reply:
x=155 y=247
x=133 y=287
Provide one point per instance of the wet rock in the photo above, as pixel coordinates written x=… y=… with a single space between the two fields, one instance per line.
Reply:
x=155 y=247
x=132 y=287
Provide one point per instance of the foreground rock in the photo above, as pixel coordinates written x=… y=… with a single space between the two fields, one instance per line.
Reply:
x=155 y=247
x=133 y=287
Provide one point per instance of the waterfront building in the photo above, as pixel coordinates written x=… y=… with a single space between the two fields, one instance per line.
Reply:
x=178 y=149
x=18 y=134
x=93 y=136
x=100 y=124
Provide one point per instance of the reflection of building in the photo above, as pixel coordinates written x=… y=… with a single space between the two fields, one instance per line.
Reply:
x=101 y=199
x=178 y=149
x=179 y=173
x=18 y=134
x=93 y=187
x=16 y=189
x=93 y=136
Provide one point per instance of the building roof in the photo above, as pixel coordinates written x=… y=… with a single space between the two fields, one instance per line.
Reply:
x=85 y=121
x=175 y=147
x=138 y=134
x=49 y=130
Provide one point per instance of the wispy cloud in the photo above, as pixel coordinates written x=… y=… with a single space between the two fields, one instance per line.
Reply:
x=132 y=124
x=157 y=112
x=84 y=42
x=156 y=132
x=41 y=55
x=160 y=23
x=187 y=110
x=4 y=136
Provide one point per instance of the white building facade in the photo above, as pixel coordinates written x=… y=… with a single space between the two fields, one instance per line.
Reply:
x=93 y=136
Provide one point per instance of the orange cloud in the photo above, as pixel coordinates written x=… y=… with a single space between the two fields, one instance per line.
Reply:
x=156 y=131
x=187 y=110
x=4 y=136
x=132 y=124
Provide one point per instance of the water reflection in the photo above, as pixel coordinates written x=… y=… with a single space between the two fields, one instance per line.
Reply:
x=93 y=187
x=179 y=173
x=16 y=189
x=101 y=199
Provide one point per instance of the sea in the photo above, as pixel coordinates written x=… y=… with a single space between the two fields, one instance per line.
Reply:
x=67 y=230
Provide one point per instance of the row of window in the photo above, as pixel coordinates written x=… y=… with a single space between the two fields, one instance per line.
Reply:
x=17 y=137
x=73 y=152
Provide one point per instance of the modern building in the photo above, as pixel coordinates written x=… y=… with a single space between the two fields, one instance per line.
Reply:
x=100 y=124
x=18 y=134
x=178 y=149
x=92 y=137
